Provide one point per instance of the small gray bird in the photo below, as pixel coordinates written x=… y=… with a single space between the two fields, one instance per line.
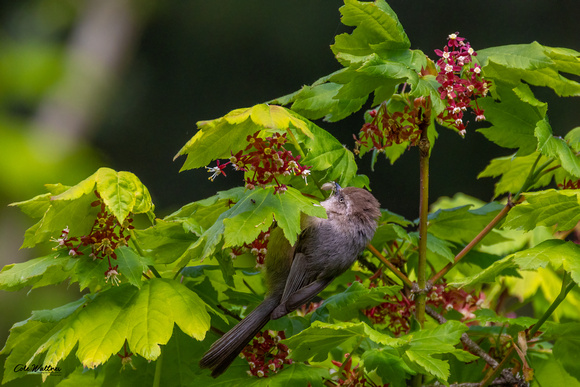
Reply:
x=325 y=249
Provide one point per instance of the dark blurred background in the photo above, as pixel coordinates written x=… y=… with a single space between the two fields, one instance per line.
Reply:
x=121 y=83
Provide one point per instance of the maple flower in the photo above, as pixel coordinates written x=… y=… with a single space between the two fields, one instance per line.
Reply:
x=461 y=82
x=112 y=274
x=267 y=159
x=265 y=354
x=219 y=168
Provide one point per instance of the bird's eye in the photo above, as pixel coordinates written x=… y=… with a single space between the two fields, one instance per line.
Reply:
x=341 y=199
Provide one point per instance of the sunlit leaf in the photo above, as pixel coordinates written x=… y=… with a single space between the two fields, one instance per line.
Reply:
x=16 y=276
x=554 y=252
x=221 y=137
x=546 y=208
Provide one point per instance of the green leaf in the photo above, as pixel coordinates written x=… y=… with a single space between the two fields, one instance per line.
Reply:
x=59 y=313
x=427 y=342
x=516 y=56
x=376 y=24
x=117 y=191
x=256 y=211
x=546 y=208
x=165 y=241
x=461 y=225
x=533 y=63
x=555 y=252
x=513 y=120
x=71 y=207
x=440 y=247
x=298 y=374
x=131 y=265
x=416 y=348
x=90 y=273
x=548 y=372
x=37 y=206
x=388 y=364
x=253 y=213
x=566 y=346
x=19 y=275
x=320 y=338
x=318 y=101
x=122 y=193
x=21 y=345
x=557 y=148
x=158 y=306
x=144 y=317
x=77 y=215
x=514 y=172
x=198 y=216
x=347 y=305
x=388 y=232
x=573 y=139
x=219 y=138
x=436 y=367
x=488 y=315
x=488 y=275
x=329 y=159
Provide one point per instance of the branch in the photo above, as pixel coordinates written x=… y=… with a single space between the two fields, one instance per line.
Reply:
x=390 y=266
x=424 y=147
x=474 y=242
x=472 y=345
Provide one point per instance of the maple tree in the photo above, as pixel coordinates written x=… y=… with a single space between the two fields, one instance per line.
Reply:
x=425 y=304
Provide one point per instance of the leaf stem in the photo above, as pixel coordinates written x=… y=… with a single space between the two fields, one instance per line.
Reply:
x=567 y=285
x=158 y=367
x=390 y=266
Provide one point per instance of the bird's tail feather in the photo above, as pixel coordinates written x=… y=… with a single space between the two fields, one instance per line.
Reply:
x=225 y=350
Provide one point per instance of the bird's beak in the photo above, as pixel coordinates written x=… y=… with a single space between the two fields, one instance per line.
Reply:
x=332 y=186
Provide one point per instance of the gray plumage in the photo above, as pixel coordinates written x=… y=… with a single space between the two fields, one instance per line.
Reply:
x=325 y=249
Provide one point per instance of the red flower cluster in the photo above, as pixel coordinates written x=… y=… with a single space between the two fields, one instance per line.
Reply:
x=259 y=247
x=386 y=129
x=267 y=159
x=396 y=311
x=458 y=299
x=350 y=376
x=461 y=82
x=569 y=184
x=266 y=354
x=106 y=235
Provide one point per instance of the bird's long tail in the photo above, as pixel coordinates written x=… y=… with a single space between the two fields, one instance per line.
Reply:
x=225 y=350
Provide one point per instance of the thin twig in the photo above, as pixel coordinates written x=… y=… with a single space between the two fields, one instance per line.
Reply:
x=472 y=345
x=390 y=266
x=474 y=242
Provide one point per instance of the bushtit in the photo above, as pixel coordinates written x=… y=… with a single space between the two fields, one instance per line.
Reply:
x=325 y=249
